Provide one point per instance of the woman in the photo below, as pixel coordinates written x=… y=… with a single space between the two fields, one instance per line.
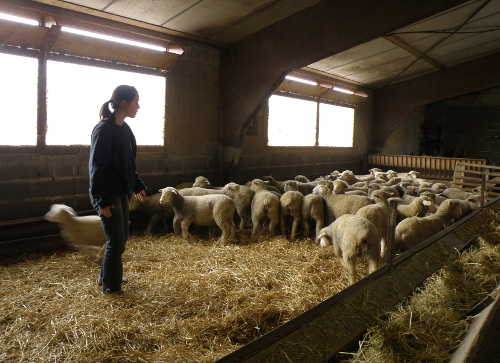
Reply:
x=112 y=177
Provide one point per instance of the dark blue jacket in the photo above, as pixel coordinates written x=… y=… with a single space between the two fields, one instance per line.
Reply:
x=112 y=163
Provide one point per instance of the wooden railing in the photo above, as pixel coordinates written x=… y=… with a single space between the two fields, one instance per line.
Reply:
x=470 y=177
x=427 y=166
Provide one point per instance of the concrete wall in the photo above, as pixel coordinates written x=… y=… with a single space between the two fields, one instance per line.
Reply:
x=407 y=137
x=32 y=180
x=469 y=124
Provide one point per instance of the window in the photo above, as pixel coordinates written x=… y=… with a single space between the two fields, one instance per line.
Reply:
x=336 y=125
x=76 y=94
x=298 y=122
x=18 y=95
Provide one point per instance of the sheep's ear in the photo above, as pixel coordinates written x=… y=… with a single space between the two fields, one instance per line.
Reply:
x=450 y=203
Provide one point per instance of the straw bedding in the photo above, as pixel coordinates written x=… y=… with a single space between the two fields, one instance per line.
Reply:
x=429 y=325
x=186 y=301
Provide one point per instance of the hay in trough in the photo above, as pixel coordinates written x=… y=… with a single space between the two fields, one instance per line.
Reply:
x=186 y=301
x=428 y=325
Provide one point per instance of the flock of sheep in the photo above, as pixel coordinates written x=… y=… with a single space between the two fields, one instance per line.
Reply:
x=349 y=211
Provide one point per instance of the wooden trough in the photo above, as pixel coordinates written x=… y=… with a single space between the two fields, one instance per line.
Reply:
x=323 y=331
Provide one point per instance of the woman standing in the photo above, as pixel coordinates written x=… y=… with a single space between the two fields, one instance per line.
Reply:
x=112 y=177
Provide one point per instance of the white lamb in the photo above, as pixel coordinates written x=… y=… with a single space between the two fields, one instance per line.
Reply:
x=313 y=208
x=290 y=204
x=204 y=210
x=353 y=237
x=412 y=231
x=264 y=204
x=85 y=233
x=378 y=214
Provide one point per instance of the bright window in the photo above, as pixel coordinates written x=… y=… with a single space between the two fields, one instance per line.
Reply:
x=292 y=122
x=336 y=125
x=76 y=94
x=18 y=96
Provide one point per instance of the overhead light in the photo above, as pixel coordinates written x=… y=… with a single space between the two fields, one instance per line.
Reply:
x=343 y=90
x=19 y=19
x=112 y=39
x=301 y=80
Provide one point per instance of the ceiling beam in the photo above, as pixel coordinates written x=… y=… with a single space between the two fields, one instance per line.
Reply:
x=399 y=43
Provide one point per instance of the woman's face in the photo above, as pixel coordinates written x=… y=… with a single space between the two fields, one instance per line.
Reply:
x=131 y=108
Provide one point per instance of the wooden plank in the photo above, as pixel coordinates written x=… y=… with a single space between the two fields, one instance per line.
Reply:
x=21 y=35
x=78 y=45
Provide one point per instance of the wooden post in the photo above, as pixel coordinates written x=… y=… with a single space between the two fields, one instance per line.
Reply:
x=391 y=228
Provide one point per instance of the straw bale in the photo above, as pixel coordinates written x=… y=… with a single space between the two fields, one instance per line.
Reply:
x=428 y=325
x=186 y=301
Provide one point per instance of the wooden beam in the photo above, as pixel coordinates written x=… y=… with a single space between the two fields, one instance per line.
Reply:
x=404 y=46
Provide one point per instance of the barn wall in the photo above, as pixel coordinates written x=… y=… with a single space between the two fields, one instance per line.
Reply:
x=33 y=180
x=469 y=125
x=257 y=159
x=407 y=137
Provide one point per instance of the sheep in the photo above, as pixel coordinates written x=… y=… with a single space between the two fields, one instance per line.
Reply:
x=302 y=179
x=85 y=233
x=349 y=177
x=200 y=181
x=264 y=204
x=323 y=188
x=151 y=206
x=242 y=196
x=456 y=193
x=418 y=207
x=203 y=210
x=374 y=170
x=290 y=205
x=412 y=231
x=339 y=204
x=275 y=183
x=340 y=186
x=313 y=207
x=378 y=214
x=439 y=186
x=270 y=188
x=353 y=237
x=469 y=205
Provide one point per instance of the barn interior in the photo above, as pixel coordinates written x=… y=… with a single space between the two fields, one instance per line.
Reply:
x=422 y=78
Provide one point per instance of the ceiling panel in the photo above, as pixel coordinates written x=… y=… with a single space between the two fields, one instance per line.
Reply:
x=377 y=62
x=361 y=52
x=260 y=19
x=152 y=12
x=210 y=17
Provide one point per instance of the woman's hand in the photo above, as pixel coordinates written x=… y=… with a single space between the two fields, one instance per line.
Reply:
x=106 y=212
x=140 y=195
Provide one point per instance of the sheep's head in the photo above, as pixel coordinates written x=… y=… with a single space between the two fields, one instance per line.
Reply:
x=302 y=179
x=201 y=182
x=291 y=185
x=57 y=213
x=267 y=178
x=167 y=194
x=339 y=186
x=258 y=184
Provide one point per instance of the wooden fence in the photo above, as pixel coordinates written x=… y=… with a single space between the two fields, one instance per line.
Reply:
x=428 y=166
x=470 y=176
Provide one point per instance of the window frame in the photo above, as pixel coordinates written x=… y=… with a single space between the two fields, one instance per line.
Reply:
x=317 y=100
x=44 y=55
